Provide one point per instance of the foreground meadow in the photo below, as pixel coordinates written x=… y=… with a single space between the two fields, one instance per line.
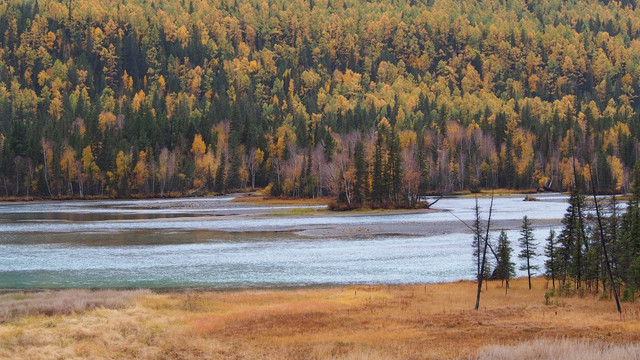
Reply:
x=360 y=322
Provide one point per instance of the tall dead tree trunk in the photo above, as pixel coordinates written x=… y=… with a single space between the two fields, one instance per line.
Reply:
x=484 y=255
x=604 y=248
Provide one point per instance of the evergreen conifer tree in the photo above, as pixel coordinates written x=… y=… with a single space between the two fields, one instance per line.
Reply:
x=377 y=186
x=220 y=177
x=571 y=239
x=528 y=248
x=505 y=268
x=551 y=252
x=362 y=177
x=630 y=237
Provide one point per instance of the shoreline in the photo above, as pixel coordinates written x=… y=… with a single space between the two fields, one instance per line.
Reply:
x=256 y=197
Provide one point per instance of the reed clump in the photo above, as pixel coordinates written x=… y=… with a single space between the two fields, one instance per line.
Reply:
x=14 y=306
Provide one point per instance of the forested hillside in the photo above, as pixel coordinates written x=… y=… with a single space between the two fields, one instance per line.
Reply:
x=365 y=100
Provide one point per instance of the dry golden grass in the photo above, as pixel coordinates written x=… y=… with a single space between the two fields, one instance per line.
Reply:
x=496 y=192
x=359 y=322
x=561 y=349
x=260 y=199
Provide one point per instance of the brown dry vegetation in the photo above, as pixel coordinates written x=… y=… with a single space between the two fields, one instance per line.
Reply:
x=561 y=349
x=14 y=306
x=261 y=199
x=361 y=322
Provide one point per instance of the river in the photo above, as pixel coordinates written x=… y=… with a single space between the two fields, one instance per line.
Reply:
x=219 y=243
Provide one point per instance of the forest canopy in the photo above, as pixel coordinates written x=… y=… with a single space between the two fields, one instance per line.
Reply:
x=369 y=101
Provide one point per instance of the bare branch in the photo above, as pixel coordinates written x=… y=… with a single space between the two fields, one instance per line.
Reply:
x=476 y=233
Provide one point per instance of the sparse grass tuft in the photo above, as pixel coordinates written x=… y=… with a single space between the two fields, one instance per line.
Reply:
x=64 y=302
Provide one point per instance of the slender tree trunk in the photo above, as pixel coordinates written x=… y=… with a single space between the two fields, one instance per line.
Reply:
x=253 y=180
x=347 y=192
x=528 y=266
x=17 y=182
x=69 y=178
x=484 y=255
x=46 y=170
x=604 y=249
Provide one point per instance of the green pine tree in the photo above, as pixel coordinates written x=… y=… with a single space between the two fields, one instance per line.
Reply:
x=551 y=252
x=528 y=248
x=361 y=190
x=377 y=186
x=220 y=185
x=571 y=240
x=630 y=236
x=505 y=269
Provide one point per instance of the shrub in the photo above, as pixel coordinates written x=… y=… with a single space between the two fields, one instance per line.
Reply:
x=628 y=294
x=339 y=206
x=548 y=295
x=49 y=303
x=567 y=289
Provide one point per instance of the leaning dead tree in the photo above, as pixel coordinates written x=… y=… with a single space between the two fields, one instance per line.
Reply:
x=604 y=246
x=484 y=255
x=430 y=204
x=485 y=245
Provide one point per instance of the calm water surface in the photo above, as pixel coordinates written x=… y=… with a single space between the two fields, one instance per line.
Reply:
x=218 y=243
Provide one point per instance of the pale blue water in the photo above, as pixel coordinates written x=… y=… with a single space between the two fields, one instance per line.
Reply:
x=153 y=243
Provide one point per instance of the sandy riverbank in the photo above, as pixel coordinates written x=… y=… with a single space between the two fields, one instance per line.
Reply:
x=242 y=206
x=413 y=228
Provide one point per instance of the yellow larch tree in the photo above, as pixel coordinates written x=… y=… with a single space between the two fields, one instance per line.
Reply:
x=68 y=166
x=141 y=173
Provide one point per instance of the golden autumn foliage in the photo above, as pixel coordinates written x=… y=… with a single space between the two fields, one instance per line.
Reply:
x=106 y=119
x=88 y=162
x=68 y=163
x=141 y=171
x=143 y=76
x=205 y=163
x=198 y=148
x=138 y=100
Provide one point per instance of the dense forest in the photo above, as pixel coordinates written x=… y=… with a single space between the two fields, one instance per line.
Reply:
x=369 y=101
